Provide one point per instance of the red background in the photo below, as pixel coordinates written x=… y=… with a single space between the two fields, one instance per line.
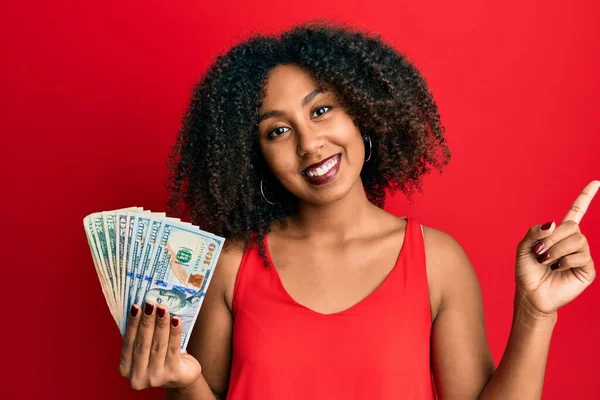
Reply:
x=92 y=96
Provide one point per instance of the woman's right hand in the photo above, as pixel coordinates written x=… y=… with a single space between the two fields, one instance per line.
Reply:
x=150 y=356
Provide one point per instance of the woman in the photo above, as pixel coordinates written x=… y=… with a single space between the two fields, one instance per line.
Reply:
x=288 y=149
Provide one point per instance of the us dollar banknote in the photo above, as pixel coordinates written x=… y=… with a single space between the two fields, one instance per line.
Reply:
x=141 y=256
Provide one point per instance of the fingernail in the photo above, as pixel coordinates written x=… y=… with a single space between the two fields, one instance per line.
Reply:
x=546 y=226
x=543 y=257
x=175 y=322
x=554 y=266
x=149 y=308
x=538 y=246
x=160 y=312
x=134 y=310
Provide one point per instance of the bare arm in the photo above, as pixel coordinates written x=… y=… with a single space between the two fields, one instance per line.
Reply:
x=210 y=342
x=461 y=360
x=520 y=374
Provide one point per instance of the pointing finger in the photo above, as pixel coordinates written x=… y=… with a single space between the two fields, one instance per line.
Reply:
x=128 y=342
x=582 y=202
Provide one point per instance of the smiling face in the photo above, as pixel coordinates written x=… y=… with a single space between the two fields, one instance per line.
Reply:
x=308 y=140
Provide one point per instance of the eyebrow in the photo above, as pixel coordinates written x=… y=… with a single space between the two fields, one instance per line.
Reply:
x=305 y=100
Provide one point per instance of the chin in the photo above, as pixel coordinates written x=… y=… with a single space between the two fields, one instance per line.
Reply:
x=328 y=194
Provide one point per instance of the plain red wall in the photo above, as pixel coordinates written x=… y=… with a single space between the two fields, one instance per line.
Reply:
x=92 y=96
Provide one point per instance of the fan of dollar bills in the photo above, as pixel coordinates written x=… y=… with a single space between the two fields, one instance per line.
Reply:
x=145 y=256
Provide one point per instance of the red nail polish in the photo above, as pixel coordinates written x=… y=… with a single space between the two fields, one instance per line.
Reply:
x=555 y=266
x=149 y=308
x=538 y=246
x=175 y=322
x=134 y=310
x=546 y=226
x=543 y=257
x=160 y=312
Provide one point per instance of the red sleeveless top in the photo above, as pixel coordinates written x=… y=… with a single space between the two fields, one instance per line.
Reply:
x=376 y=349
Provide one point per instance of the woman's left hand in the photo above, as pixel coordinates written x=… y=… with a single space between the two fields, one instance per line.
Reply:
x=554 y=264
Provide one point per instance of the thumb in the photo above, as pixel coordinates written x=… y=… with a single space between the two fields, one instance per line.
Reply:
x=535 y=233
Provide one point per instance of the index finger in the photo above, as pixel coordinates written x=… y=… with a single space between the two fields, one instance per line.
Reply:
x=582 y=202
x=128 y=342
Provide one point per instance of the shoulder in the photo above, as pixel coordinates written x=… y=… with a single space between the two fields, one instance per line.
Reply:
x=449 y=270
x=458 y=330
x=227 y=269
x=441 y=248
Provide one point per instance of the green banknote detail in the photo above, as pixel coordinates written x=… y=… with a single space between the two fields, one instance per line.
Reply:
x=102 y=246
x=181 y=271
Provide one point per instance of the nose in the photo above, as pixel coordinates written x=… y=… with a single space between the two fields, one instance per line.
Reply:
x=310 y=140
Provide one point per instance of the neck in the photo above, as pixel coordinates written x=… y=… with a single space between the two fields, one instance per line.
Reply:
x=341 y=220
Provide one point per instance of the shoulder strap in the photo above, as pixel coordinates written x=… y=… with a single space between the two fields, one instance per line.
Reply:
x=241 y=278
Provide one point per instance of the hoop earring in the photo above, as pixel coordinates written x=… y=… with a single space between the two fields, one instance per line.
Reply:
x=365 y=138
x=263 y=193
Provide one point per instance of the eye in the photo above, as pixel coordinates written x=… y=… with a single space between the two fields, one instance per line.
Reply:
x=321 y=110
x=277 y=131
x=159 y=300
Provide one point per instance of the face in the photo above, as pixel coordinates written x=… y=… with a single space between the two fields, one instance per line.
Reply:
x=165 y=297
x=309 y=142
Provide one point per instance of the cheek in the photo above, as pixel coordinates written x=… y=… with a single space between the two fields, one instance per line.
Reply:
x=342 y=124
x=280 y=159
x=347 y=134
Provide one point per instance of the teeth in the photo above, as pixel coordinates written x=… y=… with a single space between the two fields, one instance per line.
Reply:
x=323 y=169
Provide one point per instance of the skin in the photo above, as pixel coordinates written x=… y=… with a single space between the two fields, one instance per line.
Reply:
x=334 y=229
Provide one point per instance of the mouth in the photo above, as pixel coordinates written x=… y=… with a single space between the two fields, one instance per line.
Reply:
x=323 y=171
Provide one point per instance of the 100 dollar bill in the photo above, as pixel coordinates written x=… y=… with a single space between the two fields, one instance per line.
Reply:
x=142 y=256
x=181 y=269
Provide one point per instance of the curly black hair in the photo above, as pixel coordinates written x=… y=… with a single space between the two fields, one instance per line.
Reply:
x=216 y=165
